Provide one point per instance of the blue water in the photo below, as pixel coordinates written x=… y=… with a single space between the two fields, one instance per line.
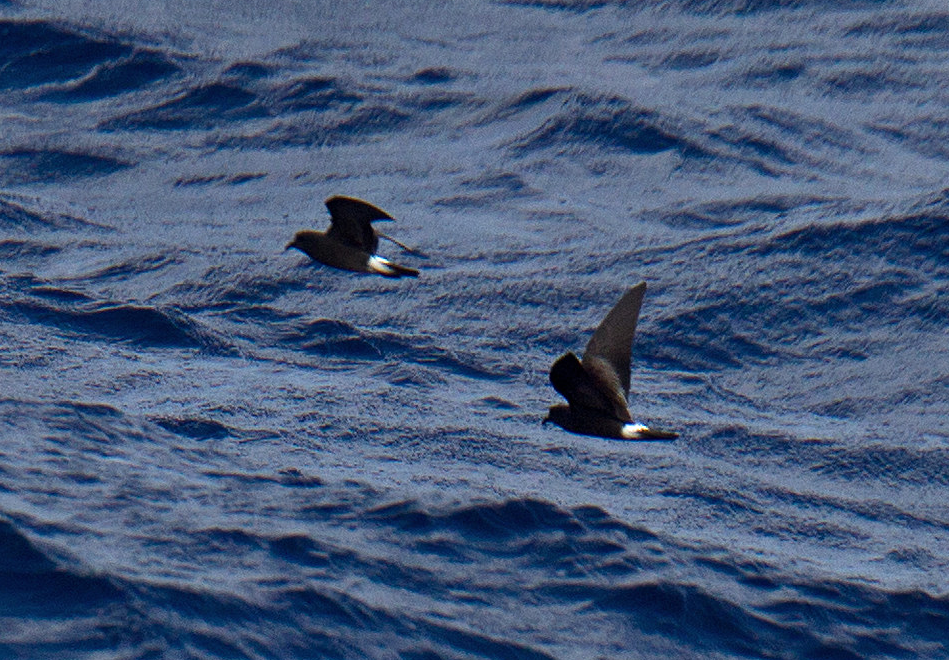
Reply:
x=211 y=448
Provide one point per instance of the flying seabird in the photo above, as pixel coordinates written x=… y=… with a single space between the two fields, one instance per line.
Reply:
x=350 y=243
x=596 y=388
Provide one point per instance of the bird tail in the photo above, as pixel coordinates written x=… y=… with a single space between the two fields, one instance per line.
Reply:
x=383 y=266
x=646 y=433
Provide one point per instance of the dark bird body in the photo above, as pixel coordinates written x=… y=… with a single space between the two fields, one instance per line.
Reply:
x=596 y=388
x=351 y=241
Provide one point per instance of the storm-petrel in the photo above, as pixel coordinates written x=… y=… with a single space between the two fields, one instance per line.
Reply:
x=596 y=388
x=350 y=243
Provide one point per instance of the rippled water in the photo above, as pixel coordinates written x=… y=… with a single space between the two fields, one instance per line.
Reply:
x=211 y=448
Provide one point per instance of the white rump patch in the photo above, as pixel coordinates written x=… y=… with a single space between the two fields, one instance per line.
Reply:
x=632 y=431
x=380 y=265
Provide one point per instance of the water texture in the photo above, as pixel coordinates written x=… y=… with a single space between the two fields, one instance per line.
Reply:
x=212 y=448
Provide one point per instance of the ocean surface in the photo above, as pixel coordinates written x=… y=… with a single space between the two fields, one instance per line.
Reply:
x=213 y=448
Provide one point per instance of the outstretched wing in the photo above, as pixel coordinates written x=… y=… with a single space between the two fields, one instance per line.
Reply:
x=351 y=222
x=584 y=389
x=607 y=356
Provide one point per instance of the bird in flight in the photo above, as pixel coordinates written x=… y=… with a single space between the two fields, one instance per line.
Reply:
x=596 y=387
x=351 y=241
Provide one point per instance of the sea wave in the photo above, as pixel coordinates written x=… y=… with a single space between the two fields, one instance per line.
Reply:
x=38 y=52
x=79 y=315
x=616 y=577
x=217 y=448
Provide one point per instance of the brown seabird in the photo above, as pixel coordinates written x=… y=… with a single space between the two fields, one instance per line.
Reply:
x=596 y=388
x=350 y=243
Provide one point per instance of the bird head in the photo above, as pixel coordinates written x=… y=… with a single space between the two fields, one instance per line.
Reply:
x=559 y=415
x=302 y=240
x=295 y=243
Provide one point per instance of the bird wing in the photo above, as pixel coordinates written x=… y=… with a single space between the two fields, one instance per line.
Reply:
x=351 y=222
x=584 y=389
x=607 y=356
